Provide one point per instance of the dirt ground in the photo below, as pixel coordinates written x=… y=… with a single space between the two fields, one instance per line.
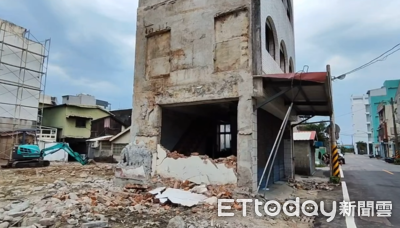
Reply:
x=72 y=195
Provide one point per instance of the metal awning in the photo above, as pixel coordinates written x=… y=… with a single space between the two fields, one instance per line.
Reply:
x=310 y=92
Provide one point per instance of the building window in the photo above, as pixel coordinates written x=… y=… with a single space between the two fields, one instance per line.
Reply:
x=289 y=10
x=291 y=67
x=118 y=147
x=270 y=35
x=105 y=145
x=80 y=122
x=224 y=137
x=282 y=56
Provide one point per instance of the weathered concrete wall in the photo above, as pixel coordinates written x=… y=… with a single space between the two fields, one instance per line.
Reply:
x=193 y=51
x=302 y=153
x=197 y=51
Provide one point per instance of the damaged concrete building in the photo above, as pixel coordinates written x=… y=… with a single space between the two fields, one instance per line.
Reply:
x=199 y=86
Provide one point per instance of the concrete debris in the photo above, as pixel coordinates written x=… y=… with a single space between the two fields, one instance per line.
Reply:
x=211 y=201
x=181 y=197
x=175 y=155
x=311 y=185
x=69 y=200
x=198 y=189
x=197 y=169
x=230 y=162
x=176 y=222
x=97 y=224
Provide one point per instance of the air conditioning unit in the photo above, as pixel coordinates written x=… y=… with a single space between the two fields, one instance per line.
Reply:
x=95 y=144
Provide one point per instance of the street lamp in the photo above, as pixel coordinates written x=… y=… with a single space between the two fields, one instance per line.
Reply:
x=340 y=77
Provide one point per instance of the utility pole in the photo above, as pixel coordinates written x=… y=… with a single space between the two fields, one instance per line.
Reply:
x=334 y=153
x=396 y=139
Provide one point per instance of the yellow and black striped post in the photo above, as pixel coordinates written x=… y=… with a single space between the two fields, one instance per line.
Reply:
x=335 y=161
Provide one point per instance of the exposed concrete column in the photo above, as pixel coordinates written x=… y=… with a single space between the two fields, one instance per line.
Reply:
x=247 y=144
x=146 y=123
x=288 y=153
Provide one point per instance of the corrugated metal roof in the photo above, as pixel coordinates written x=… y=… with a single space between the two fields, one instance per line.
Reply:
x=304 y=135
x=310 y=92
x=121 y=133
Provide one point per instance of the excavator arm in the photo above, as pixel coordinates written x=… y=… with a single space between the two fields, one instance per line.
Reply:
x=65 y=147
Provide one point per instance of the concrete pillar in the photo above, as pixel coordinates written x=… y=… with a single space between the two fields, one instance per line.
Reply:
x=146 y=124
x=247 y=144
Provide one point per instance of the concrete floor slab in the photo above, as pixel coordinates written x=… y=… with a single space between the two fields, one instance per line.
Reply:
x=278 y=191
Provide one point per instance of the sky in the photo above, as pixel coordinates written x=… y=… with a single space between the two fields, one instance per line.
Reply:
x=93 y=45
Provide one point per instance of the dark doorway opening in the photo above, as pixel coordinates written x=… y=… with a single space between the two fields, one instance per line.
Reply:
x=207 y=129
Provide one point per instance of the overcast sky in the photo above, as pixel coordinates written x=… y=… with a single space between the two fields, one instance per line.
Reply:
x=93 y=45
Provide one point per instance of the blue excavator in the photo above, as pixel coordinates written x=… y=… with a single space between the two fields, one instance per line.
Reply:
x=30 y=155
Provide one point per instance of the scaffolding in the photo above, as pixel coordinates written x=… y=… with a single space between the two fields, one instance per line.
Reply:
x=23 y=74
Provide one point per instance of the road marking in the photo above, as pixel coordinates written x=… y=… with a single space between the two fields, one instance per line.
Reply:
x=341 y=172
x=350 y=223
x=387 y=172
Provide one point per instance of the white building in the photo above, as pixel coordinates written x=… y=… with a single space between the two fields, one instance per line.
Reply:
x=85 y=99
x=22 y=70
x=361 y=118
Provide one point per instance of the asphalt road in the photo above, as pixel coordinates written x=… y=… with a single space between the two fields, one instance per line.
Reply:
x=372 y=180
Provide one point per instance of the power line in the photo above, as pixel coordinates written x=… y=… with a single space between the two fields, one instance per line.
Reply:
x=363 y=109
x=377 y=59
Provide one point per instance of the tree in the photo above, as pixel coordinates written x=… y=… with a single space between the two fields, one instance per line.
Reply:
x=345 y=150
x=319 y=128
x=361 y=145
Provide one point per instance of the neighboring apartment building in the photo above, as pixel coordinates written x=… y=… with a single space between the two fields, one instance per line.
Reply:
x=22 y=77
x=386 y=131
x=109 y=125
x=194 y=89
x=74 y=123
x=397 y=105
x=376 y=97
x=361 y=118
x=47 y=101
x=85 y=99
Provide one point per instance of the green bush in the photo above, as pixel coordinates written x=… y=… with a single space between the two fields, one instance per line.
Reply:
x=335 y=180
x=397 y=161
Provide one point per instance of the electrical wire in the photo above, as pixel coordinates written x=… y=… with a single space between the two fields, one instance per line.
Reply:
x=363 y=109
x=300 y=72
x=377 y=59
